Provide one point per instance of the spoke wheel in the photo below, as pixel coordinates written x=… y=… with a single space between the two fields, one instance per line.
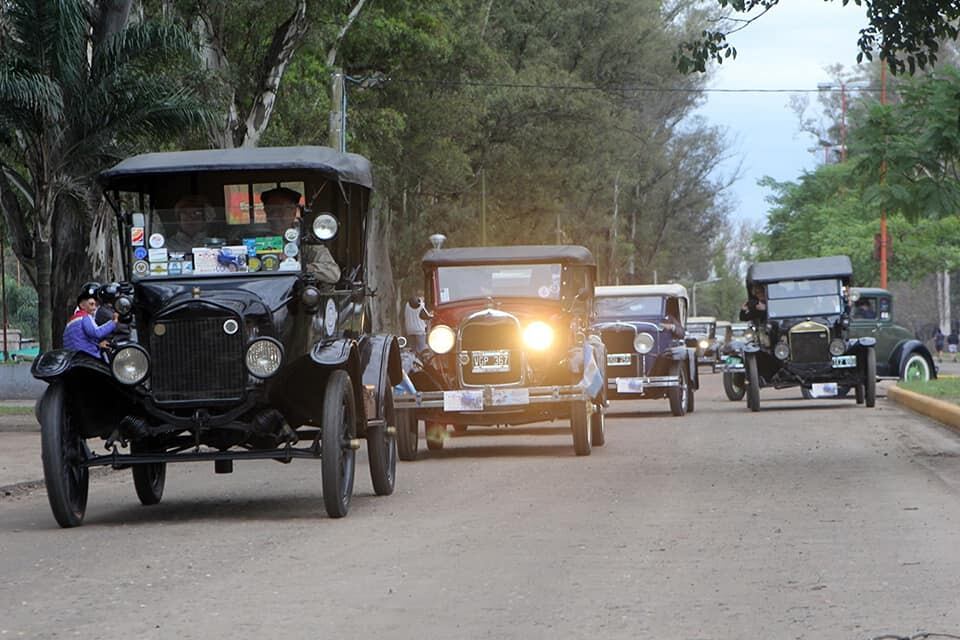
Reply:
x=62 y=449
x=382 y=450
x=916 y=368
x=753 y=383
x=338 y=427
x=580 y=426
x=408 y=434
x=733 y=386
x=148 y=479
x=678 y=395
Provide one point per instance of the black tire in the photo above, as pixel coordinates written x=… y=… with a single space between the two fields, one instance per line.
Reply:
x=691 y=403
x=408 y=435
x=148 y=479
x=61 y=448
x=843 y=390
x=870 y=381
x=580 y=426
x=859 y=393
x=598 y=427
x=678 y=396
x=382 y=450
x=753 y=383
x=436 y=435
x=339 y=459
x=734 y=386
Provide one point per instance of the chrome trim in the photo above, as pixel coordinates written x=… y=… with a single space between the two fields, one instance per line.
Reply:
x=538 y=395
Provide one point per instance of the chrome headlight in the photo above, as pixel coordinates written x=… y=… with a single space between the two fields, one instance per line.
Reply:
x=538 y=336
x=123 y=305
x=643 y=343
x=704 y=344
x=325 y=226
x=782 y=351
x=130 y=365
x=264 y=357
x=837 y=347
x=441 y=339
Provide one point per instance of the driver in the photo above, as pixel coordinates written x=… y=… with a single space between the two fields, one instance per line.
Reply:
x=755 y=308
x=191 y=212
x=282 y=208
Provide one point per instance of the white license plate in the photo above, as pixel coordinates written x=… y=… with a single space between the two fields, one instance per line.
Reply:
x=506 y=397
x=463 y=400
x=844 y=362
x=618 y=359
x=491 y=361
x=629 y=385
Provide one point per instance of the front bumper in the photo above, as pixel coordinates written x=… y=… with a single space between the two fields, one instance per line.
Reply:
x=642 y=383
x=487 y=398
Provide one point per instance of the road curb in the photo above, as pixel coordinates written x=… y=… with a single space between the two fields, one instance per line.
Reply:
x=941 y=411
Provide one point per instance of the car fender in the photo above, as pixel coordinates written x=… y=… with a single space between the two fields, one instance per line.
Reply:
x=693 y=369
x=343 y=353
x=54 y=364
x=382 y=367
x=751 y=347
x=865 y=341
x=906 y=348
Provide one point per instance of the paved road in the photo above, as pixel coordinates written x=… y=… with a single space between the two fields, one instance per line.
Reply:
x=811 y=519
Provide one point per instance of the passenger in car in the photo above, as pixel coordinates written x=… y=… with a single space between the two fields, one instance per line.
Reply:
x=755 y=308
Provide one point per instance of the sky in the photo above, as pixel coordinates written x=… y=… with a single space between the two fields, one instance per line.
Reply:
x=788 y=48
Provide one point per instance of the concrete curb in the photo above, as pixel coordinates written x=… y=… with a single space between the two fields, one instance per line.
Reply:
x=941 y=411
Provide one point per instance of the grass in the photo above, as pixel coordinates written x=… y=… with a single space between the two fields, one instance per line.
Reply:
x=16 y=411
x=947 y=389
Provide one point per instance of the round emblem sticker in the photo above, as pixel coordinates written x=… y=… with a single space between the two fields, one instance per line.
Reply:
x=156 y=240
x=543 y=292
x=330 y=317
x=140 y=253
x=291 y=235
x=141 y=267
x=253 y=263
x=270 y=263
x=291 y=249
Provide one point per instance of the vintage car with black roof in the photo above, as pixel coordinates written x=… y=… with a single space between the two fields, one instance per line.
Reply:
x=509 y=344
x=252 y=341
x=642 y=327
x=803 y=333
x=702 y=337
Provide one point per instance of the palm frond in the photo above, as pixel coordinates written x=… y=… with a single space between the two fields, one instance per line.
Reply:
x=152 y=42
x=29 y=94
x=51 y=36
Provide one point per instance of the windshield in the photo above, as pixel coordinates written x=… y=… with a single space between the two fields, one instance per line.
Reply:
x=499 y=281
x=203 y=240
x=802 y=288
x=808 y=306
x=739 y=332
x=632 y=307
x=698 y=329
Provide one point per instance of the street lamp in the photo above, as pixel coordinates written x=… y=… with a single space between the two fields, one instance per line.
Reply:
x=693 y=291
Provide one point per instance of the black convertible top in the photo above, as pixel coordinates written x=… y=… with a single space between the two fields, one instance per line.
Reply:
x=343 y=167
x=802 y=269
x=519 y=254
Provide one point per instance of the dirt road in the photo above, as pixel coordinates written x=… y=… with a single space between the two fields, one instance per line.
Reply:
x=810 y=519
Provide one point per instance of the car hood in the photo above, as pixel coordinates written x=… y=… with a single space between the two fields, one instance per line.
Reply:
x=525 y=310
x=244 y=296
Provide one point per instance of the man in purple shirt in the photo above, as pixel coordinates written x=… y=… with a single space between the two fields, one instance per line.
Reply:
x=81 y=332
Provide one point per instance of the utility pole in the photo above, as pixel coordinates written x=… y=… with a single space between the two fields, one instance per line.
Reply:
x=483 y=207
x=883 y=177
x=338 y=112
x=3 y=295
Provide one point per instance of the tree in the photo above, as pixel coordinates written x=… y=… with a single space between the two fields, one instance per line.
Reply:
x=72 y=98
x=906 y=35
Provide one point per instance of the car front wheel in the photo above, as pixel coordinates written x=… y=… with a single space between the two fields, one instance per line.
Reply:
x=753 y=384
x=339 y=457
x=580 y=426
x=62 y=450
x=598 y=427
x=148 y=479
x=733 y=386
x=679 y=397
x=382 y=450
x=408 y=435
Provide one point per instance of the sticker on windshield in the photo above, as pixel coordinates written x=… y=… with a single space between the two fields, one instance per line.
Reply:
x=232 y=258
x=291 y=234
x=204 y=260
x=140 y=253
x=270 y=262
x=291 y=249
x=141 y=267
x=444 y=295
x=269 y=244
x=543 y=292
x=158 y=269
x=290 y=264
x=158 y=255
x=156 y=240
x=253 y=263
x=175 y=268
x=136 y=236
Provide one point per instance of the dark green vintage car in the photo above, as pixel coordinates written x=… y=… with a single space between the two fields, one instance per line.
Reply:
x=900 y=355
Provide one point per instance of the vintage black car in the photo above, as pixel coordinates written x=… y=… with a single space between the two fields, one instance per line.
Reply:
x=802 y=337
x=702 y=337
x=731 y=360
x=643 y=329
x=509 y=343
x=242 y=346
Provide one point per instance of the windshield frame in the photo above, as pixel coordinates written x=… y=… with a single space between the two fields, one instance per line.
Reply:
x=605 y=315
x=545 y=289
x=805 y=298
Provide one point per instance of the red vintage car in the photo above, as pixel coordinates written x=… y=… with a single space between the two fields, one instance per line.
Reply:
x=510 y=343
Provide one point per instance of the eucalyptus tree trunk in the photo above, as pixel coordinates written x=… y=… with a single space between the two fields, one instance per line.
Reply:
x=379 y=267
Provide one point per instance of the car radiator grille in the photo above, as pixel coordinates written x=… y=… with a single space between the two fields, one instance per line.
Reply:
x=491 y=336
x=195 y=359
x=809 y=347
x=618 y=342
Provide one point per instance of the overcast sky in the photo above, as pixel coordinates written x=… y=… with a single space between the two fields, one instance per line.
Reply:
x=789 y=48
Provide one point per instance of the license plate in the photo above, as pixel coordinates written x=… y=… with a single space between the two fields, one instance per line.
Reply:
x=844 y=362
x=618 y=359
x=629 y=385
x=506 y=397
x=463 y=400
x=491 y=361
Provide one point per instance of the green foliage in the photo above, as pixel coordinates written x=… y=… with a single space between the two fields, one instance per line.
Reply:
x=21 y=307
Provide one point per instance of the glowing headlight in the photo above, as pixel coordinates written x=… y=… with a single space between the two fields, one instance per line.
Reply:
x=130 y=365
x=837 y=347
x=782 y=351
x=538 y=336
x=643 y=343
x=325 y=226
x=704 y=344
x=441 y=338
x=264 y=357
x=123 y=305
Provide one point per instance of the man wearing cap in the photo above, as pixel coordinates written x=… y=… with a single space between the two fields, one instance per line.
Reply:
x=192 y=219
x=83 y=334
x=281 y=207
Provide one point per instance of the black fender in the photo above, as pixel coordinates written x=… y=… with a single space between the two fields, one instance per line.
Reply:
x=905 y=349
x=343 y=353
x=382 y=367
x=54 y=364
x=693 y=369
